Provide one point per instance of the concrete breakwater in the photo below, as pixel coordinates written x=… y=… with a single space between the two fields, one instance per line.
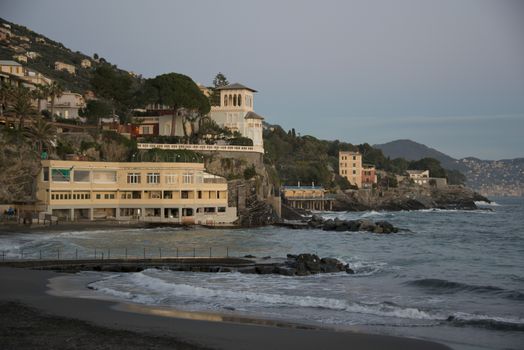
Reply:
x=292 y=265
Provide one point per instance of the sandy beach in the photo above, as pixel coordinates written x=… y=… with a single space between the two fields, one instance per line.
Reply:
x=105 y=325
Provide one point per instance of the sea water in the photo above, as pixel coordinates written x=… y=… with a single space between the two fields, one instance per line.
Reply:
x=456 y=277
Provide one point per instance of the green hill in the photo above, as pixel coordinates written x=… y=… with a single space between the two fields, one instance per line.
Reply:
x=49 y=52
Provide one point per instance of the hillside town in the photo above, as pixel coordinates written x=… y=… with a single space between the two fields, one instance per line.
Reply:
x=169 y=150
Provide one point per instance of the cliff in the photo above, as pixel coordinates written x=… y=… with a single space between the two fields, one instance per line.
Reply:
x=409 y=198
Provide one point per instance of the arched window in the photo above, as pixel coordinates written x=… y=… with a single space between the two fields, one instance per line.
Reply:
x=230 y=100
x=225 y=100
x=234 y=100
x=239 y=99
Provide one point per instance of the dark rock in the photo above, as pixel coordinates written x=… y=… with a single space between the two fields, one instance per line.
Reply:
x=266 y=257
x=249 y=256
x=265 y=270
x=350 y=270
x=250 y=269
x=311 y=263
x=329 y=225
x=292 y=256
x=329 y=265
x=366 y=225
x=285 y=271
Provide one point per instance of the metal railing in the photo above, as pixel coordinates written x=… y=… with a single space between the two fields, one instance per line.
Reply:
x=117 y=253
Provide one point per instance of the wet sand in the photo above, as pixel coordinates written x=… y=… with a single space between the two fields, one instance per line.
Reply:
x=111 y=325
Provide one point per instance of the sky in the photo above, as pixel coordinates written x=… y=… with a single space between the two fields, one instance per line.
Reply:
x=446 y=73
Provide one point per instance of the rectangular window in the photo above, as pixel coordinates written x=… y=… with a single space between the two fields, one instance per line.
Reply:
x=52 y=196
x=153 y=178
x=61 y=175
x=45 y=172
x=221 y=209
x=155 y=194
x=133 y=178
x=104 y=176
x=354 y=172
x=171 y=179
x=188 y=178
x=184 y=194
x=88 y=196
x=81 y=176
x=98 y=196
x=199 y=193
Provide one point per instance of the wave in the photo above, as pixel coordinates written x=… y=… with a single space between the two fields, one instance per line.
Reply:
x=155 y=290
x=486 y=204
x=166 y=289
x=457 y=211
x=445 y=286
x=372 y=213
x=496 y=323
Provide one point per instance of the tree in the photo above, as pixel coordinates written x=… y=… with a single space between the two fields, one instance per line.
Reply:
x=5 y=95
x=94 y=110
x=113 y=86
x=40 y=93
x=95 y=56
x=176 y=91
x=41 y=134
x=219 y=80
x=55 y=91
x=20 y=103
x=431 y=164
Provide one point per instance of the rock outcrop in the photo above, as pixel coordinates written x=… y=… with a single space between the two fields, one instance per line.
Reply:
x=351 y=225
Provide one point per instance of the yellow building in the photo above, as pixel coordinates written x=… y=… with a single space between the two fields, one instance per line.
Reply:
x=143 y=191
x=350 y=167
x=307 y=197
x=64 y=66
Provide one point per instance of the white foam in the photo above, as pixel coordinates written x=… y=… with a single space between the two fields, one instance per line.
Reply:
x=162 y=288
x=486 y=204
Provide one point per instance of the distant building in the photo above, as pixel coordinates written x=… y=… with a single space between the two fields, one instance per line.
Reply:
x=64 y=66
x=20 y=58
x=32 y=55
x=307 y=197
x=369 y=176
x=350 y=167
x=12 y=67
x=85 y=63
x=236 y=112
x=68 y=105
x=40 y=40
x=420 y=177
x=156 y=192
x=36 y=78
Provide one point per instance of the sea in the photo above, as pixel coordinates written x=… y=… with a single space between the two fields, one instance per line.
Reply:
x=451 y=276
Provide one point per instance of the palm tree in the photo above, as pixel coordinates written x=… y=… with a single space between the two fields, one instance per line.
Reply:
x=42 y=134
x=40 y=93
x=20 y=103
x=5 y=95
x=55 y=91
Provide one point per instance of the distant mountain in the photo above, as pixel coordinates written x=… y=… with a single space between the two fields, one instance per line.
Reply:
x=411 y=150
x=489 y=177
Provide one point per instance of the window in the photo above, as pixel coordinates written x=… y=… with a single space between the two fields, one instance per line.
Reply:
x=188 y=178
x=239 y=99
x=199 y=194
x=354 y=172
x=234 y=100
x=45 y=172
x=171 y=179
x=61 y=175
x=137 y=194
x=104 y=176
x=225 y=100
x=52 y=196
x=81 y=176
x=109 y=196
x=354 y=157
x=155 y=194
x=133 y=178
x=184 y=194
x=221 y=209
x=98 y=196
x=153 y=178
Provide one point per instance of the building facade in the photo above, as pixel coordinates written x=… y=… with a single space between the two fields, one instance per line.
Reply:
x=144 y=191
x=307 y=197
x=64 y=66
x=420 y=177
x=350 y=167
x=369 y=176
x=68 y=104
x=236 y=112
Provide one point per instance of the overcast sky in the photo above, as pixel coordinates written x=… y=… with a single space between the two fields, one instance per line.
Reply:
x=449 y=74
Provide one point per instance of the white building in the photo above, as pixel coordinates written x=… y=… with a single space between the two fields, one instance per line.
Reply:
x=236 y=113
x=68 y=105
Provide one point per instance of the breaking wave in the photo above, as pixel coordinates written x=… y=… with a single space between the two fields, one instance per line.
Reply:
x=444 y=286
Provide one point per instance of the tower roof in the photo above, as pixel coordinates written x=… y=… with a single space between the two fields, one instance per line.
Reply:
x=253 y=115
x=235 y=86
